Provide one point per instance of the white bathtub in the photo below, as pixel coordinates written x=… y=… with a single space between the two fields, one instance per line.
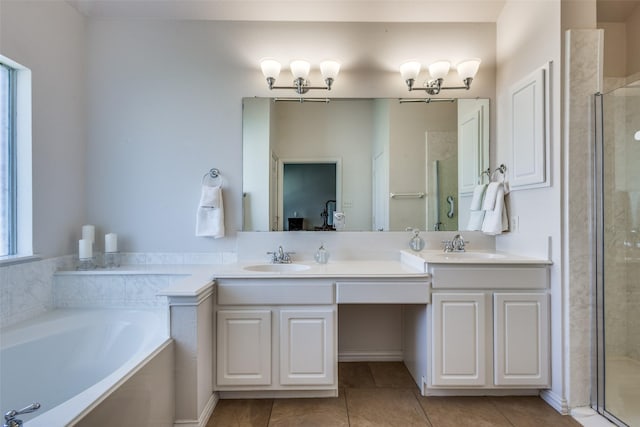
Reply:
x=70 y=361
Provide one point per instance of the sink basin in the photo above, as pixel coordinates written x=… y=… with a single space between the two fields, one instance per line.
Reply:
x=276 y=268
x=470 y=255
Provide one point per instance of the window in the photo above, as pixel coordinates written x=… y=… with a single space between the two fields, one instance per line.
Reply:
x=16 y=209
x=7 y=161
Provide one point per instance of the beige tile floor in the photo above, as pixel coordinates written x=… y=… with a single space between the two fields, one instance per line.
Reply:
x=384 y=394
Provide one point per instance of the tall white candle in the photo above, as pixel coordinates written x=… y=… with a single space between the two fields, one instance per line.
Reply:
x=85 y=249
x=89 y=232
x=111 y=243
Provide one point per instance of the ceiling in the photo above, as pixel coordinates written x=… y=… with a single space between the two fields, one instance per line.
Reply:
x=297 y=10
x=615 y=10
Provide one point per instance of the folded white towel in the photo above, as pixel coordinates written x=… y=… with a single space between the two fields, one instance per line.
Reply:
x=476 y=218
x=210 y=215
x=478 y=197
x=495 y=220
x=491 y=195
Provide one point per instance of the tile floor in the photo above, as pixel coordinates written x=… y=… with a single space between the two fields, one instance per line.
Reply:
x=384 y=394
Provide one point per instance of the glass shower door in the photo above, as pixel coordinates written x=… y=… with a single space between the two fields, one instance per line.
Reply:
x=618 y=284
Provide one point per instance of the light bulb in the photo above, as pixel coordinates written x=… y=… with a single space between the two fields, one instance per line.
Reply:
x=300 y=69
x=468 y=68
x=410 y=70
x=270 y=68
x=329 y=69
x=439 y=69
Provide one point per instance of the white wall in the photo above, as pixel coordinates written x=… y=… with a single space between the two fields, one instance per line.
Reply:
x=165 y=107
x=49 y=39
x=528 y=35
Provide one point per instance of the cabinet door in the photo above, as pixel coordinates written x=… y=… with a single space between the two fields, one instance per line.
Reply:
x=307 y=347
x=459 y=335
x=244 y=347
x=521 y=339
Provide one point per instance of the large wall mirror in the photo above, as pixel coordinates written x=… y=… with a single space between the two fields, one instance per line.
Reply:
x=361 y=164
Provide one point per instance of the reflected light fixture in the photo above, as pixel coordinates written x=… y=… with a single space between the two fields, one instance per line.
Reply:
x=300 y=71
x=438 y=70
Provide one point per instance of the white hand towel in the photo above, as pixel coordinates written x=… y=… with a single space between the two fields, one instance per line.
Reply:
x=210 y=215
x=495 y=220
x=476 y=218
x=478 y=197
x=491 y=195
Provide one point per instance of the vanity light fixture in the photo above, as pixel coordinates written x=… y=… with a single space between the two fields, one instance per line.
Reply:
x=300 y=71
x=438 y=70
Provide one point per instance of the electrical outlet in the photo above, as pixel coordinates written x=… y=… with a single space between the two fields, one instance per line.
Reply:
x=514 y=224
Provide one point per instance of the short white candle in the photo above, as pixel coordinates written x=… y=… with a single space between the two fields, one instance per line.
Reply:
x=85 y=249
x=89 y=232
x=111 y=243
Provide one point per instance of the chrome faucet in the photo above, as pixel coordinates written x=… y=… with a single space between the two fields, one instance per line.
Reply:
x=10 y=417
x=280 y=256
x=457 y=244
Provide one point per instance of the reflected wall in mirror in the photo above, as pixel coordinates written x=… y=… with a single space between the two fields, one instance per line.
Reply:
x=391 y=165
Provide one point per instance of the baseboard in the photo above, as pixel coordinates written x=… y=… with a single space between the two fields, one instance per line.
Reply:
x=277 y=394
x=203 y=419
x=370 y=356
x=556 y=402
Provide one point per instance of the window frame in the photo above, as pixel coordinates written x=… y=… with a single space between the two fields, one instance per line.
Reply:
x=12 y=211
x=20 y=165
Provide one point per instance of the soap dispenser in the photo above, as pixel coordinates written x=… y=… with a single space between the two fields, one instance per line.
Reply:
x=322 y=255
x=416 y=243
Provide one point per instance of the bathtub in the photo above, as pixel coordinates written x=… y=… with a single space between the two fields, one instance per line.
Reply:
x=71 y=361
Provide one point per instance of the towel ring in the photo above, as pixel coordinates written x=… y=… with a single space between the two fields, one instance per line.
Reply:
x=485 y=172
x=214 y=174
x=503 y=172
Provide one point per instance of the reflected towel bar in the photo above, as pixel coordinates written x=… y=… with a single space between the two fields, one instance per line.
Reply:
x=407 y=195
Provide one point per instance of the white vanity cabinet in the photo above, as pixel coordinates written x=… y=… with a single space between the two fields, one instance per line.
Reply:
x=489 y=327
x=243 y=347
x=276 y=335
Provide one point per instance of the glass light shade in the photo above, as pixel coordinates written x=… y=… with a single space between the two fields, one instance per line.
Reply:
x=329 y=69
x=439 y=69
x=636 y=136
x=468 y=68
x=410 y=70
x=300 y=69
x=270 y=68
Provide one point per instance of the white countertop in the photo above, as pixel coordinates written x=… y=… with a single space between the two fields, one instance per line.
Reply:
x=469 y=257
x=200 y=277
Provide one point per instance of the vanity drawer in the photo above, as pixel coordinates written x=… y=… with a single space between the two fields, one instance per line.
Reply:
x=274 y=292
x=489 y=277
x=389 y=292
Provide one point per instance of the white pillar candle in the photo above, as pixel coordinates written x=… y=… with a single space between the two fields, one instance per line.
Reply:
x=85 y=249
x=111 y=243
x=89 y=232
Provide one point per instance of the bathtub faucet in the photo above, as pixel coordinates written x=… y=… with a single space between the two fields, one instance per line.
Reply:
x=9 y=417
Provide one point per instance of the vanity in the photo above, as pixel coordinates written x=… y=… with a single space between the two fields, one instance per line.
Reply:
x=472 y=322
x=277 y=331
x=487 y=325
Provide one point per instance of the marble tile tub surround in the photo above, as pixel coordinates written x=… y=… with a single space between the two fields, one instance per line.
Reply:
x=111 y=290
x=356 y=246
x=26 y=288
